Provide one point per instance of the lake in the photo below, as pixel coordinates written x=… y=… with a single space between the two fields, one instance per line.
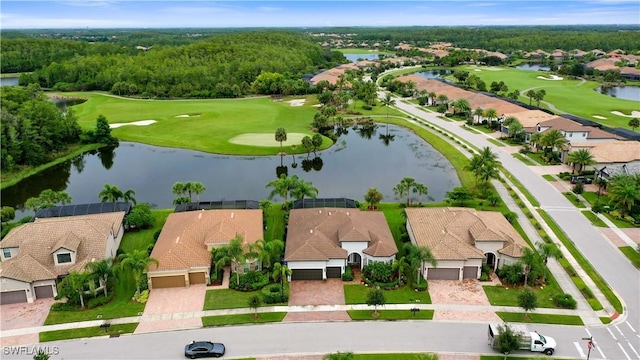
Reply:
x=8 y=81
x=533 y=67
x=358 y=161
x=355 y=57
x=622 y=92
x=434 y=74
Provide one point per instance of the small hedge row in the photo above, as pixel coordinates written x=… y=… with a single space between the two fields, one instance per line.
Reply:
x=271 y=294
x=565 y=301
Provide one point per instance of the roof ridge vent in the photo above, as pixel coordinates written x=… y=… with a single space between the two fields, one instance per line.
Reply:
x=178 y=239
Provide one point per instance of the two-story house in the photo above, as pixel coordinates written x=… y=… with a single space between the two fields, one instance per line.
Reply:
x=36 y=255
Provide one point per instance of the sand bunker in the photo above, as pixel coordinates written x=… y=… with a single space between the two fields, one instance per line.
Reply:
x=477 y=70
x=264 y=139
x=135 y=123
x=551 y=77
x=599 y=117
x=298 y=102
x=187 y=115
x=634 y=114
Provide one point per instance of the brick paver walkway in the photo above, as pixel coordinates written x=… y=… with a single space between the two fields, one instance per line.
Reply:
x=317 y=316
x=316 y=292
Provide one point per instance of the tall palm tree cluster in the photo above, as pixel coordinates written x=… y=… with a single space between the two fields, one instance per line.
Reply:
x=484 y=167
x=111 y=193
x=551 y=141
x=286 y=186
x=623 y=191
x=185 y=191
x=407 y=186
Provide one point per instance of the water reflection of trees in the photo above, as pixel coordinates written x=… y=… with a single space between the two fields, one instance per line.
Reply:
x=387 y=138
x=55 y=178
x=106 y=156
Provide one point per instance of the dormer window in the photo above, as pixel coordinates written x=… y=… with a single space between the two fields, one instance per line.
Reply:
x=63 y=258
x=6 y=253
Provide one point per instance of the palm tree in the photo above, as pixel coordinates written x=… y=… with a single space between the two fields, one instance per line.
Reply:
x=535 y=139
x=475 y=166
x=129 y=196
x=432 y=97
x=581 y=158
x=417 y=256
x=197 y=188
x=400 y=265
x=530 y=94
x=232 y=254
x=443 y=99
x=421 y=189
x=271 y=252
x=279 y=273
x=75 y=282
x=623 y=191
x=281 y=135
x=110 y=193
x=303 y=188
x=408 y=182
x=553 y=139
x=515 y=129
x=388 y=102
x=102 y=270
x=138 y=262
x=179 y=189
x=281 y=186
x=400 y=190
x=490 y=114
x=307 y=144
x=478 y=113
x=484 y=165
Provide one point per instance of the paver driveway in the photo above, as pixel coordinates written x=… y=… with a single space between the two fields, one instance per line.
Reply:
x=466 y=292
x=23 y=315
x=316 y=292
x=167 y=309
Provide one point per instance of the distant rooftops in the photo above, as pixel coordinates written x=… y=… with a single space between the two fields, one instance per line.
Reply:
x=83 y=209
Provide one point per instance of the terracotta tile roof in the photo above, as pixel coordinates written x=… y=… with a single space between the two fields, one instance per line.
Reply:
x=451 y=233
x=563 y=124
x=87 y=235
x=316 y=234
x=531 y=118
x=614 y=151
x=186 y=237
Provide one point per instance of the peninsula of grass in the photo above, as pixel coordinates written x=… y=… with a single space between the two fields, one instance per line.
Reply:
x=223 y=320
x=595 y=220
x=540 y=318
x=525 y=160
x=574 y=199
x=390 y=314
x=87 y=332
x=567 y=95
x=549 y=177
x=357 y=294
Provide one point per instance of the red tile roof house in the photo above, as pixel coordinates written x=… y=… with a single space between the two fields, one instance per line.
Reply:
x=36 y=254
x=321 y=242
x=184 y=245
x=462 y=240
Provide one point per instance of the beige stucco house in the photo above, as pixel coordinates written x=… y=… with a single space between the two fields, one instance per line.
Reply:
x=462 y=240
x=183 y=249
x=34 y=255
x=321 y=242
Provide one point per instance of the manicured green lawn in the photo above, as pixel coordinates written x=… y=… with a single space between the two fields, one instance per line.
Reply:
x=357 y=294
x=223 y=320
x=503 y=296
x=140 y=240
x=228 y=299
x=550 y=178
x=540 y=318
x=619 y=223
x=595 y=220
x=632 y=254
x=390 y=314
x=87 y=332
x=395 y=219
x=274 y=217
x=567 y=95
x=496 y=142
x=524 y=159
x=399 y=356
x=574 y=199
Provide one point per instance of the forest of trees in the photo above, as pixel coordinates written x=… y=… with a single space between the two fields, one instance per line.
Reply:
x=33 y=128
x=505 y=39
x=225 y=65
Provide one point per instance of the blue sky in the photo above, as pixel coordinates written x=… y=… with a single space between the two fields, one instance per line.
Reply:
x=162 y=14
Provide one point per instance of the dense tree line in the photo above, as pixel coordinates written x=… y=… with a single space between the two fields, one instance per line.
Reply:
x=504 y=38
x=33 y=129
x=222 y=66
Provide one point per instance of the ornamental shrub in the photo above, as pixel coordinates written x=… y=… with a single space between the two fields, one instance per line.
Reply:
x=348 y=275
x=251 y=281
x=565 y=301
x=271 y=294
x=100 y=300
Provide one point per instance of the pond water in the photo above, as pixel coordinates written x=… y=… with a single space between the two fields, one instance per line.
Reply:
x=533 y=67
x=433 y=74
x=355 y=57
x=622 y=92
x=361 y=159
x=9 y=81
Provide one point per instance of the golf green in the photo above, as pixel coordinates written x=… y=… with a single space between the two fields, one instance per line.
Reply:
x=225 y=126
